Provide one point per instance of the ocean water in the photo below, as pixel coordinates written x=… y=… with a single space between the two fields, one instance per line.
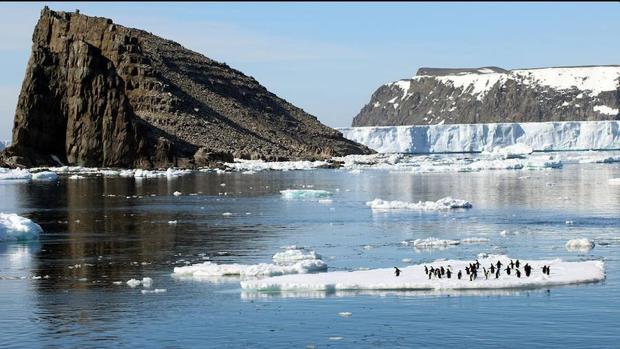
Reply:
x=102 y=230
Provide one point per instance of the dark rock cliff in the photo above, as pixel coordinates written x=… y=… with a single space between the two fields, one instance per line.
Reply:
x=100 y=94
x=491 y=94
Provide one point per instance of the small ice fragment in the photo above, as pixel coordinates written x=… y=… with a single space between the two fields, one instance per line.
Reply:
x=133 y=283
x=345 y=314
x=226 y=214
x=157 y=290
x=177 y=193
x=173 y=222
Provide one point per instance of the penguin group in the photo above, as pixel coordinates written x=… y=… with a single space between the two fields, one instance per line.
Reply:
x=494 y=270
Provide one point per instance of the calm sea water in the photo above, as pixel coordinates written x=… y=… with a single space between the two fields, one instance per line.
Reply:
x=118 y=238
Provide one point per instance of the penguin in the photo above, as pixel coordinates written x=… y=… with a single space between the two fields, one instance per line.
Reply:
x=459 y=275
x=499 y=264
x=397 y=271
x=528 y=270
x=449 y=274
x=467 y=270
x=548 y=269
x=442 y=270
x=497 y=274
x=477 y=264
x=544 y=269
x=507 y=270
x=426 y=269
x=512 y=264
x=492 y=269
x=518 y=273
x=517 y=263
x=486 y=273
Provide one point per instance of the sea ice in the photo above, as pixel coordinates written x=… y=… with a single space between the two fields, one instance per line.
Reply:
x=414 y=277
x=17 y=228
x=45 y=176
x=145 y=282
x=581 y=244
x=304 y=194
x=290 y=261
x=446 y=203
x=432 y=242
x=14 y=174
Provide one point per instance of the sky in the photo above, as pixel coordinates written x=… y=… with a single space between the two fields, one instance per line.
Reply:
x=328 y=58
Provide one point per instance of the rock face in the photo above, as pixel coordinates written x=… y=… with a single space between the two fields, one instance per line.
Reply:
x=491 y=94
x=99 y=94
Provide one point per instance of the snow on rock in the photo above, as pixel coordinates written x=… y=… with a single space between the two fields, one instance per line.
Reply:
x=581 y=244
x=414 y=278
x=14 y=174
x=45 y=176
x=474 y=138
x=446 y=203
x=603 y=109
x=304 y=194
x=17 y=228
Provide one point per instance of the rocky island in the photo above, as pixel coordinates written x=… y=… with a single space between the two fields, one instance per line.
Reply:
x=102 y=95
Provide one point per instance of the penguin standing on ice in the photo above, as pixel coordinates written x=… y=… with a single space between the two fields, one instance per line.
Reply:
x=508 y=270
x=518 y=273
x=459 y=275
x=548 y=270
x=397 y=271
x=517 y=263
x=449 y=273
x=544 y=268
x=499 y=265
x=492 y=269
x=426 y=270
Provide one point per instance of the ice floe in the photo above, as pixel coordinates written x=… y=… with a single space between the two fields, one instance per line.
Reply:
x=581 y=244
x=17 y=228
x=291 y=261
x=414 y=278
x=14 y=174
x=304 y=194
x=145 y=282
x=45 y=176
x=253 y=166
x=446 y=203
x=431 y=242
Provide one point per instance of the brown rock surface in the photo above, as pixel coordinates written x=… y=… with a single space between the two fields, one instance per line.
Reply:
x=100 y=94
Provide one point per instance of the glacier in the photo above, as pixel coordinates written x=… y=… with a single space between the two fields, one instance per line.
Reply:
x=477 y=138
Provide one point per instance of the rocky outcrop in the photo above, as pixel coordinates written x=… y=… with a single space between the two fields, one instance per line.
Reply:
x=100 y=94
x=494 y=95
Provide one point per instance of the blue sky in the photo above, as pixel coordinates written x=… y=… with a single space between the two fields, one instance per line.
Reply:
x=328 y=58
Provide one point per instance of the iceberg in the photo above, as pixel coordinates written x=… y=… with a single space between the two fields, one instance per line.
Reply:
x=304 y=194
x=293 y=260
x=446 y=203
x=581 y=244
x=14 y=174
x=18 y=228
x=475 y=138
x=45 y=176
x=414 y=278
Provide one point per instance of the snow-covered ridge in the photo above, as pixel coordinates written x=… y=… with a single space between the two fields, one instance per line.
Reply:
x=473 y=138
x=592 y=80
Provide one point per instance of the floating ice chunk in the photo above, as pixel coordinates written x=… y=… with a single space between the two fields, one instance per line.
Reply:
x=145 y=282
x=227 y=214
x=345 y=314
x=14 y=174
x=414 y=278
x=157 y=290
x=210 y=269
x=177 y=193
x=260 y=165
x=582 y=244
x=45 y=176
x=294 y=254
x=76 y=176
x=17 y=228
x=173 y=222
x=133 y=283
x=433 y=242
x=304 y=193
x=326 y=201
x=446 y=203
x=475 y=240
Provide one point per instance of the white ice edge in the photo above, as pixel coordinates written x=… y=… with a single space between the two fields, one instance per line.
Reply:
x=414 y=278
x=475 y=138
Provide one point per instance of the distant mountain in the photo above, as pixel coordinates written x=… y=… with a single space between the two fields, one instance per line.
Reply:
x=100 y=94
x=492 y=94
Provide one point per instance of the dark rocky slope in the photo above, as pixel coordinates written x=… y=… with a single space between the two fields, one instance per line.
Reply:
x=491 y=94
x=100 y=94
